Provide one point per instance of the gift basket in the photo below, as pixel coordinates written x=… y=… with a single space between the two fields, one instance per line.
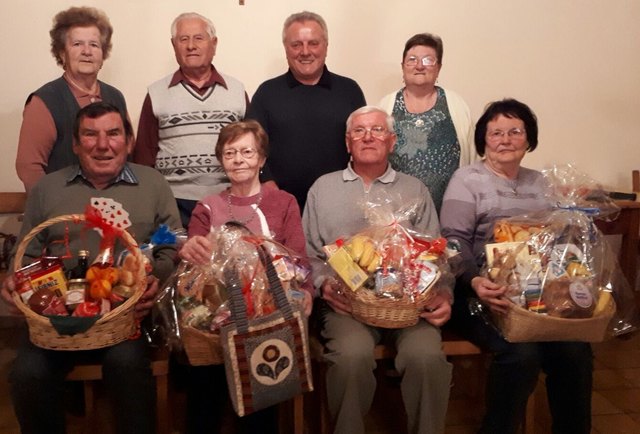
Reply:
x=88 y=306
x=199 y=299
x=389 y=272
x=560 y=273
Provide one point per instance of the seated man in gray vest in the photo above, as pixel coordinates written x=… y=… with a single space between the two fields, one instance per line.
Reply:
x=184 y=112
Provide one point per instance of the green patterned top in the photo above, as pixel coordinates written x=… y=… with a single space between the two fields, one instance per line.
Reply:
x=427 y=145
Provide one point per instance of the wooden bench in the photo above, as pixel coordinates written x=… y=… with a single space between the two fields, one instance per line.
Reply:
x=90 y=373
x=12 y=202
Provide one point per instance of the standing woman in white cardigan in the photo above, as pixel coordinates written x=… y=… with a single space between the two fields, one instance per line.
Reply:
x=433 y=125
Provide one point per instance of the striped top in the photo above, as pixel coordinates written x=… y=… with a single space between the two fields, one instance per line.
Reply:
x=476 y=198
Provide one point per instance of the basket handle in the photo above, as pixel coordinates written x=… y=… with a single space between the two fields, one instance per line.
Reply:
x=130 y=242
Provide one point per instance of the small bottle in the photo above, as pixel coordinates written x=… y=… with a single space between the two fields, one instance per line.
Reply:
x=80 y=270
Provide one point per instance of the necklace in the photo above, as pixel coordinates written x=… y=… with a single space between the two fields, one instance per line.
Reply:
x=500 y=180
x=254 y=209
x=418 y=106
x=93 y=91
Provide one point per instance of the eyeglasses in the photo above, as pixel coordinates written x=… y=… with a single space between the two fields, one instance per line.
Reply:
x=245 y=153
x=379 y=132
x=427 y=61
x=515 y=133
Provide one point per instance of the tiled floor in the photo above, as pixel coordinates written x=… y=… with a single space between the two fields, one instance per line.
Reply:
x=616 y=396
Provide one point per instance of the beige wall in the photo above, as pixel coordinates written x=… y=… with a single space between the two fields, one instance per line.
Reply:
x=576 y=63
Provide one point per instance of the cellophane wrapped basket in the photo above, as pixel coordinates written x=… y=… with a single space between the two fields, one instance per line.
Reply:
x=390 y=273
x=113 y=327
x=561 y=274
x=199 y=300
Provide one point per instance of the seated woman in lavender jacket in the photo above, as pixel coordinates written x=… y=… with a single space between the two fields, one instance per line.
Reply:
x=477 y=196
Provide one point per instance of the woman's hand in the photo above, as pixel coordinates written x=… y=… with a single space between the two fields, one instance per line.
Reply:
x=197 y=250
x=491 y=294
x=146 y=302
x=331 y=291
x=307 y=303
x=437 y=311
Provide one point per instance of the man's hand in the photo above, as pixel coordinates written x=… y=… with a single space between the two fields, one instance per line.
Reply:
x=8 y=286
x=437 y=311
x=146 y=302
x=332 y=293
x=491 y=294
x=197 y=250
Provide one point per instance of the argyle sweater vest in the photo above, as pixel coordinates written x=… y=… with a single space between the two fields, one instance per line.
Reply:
x=189 y=125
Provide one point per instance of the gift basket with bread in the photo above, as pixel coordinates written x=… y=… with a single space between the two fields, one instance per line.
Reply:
x=561 y=275
x=75 y=301
x=389 y=273
x=200 y=299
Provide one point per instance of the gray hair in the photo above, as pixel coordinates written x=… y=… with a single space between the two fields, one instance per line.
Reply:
x=301 y=17
x=372 y=109
x=211 y=30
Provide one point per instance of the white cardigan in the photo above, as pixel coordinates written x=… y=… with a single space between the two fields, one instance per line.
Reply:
x=460 y=116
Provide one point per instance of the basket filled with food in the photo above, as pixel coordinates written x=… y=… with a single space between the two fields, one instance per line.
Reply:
x=88 y=304
x=560 y=273
x=389 y=272
x=200 y=302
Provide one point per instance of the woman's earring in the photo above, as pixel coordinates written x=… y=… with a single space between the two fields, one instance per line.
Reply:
x=261 y=171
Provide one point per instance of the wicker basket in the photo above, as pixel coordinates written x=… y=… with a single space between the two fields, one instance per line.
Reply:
x=521 y=325
x=202 y=348
x=376 y=311
x=112 y=328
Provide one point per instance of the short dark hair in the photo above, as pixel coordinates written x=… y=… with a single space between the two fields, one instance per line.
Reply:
x=96 y=110
x=79 y=17
x=510 y=108
x=428 y=40
x=234 y=130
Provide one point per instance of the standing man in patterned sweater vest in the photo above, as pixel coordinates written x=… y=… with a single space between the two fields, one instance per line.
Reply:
x=183 y=113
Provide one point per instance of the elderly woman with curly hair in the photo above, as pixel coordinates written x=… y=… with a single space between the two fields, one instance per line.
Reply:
x=80 y=43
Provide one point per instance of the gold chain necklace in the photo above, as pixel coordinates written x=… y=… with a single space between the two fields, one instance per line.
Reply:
x=82 y=89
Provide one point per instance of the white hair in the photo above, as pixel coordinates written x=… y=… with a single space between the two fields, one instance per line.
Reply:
x=372 y=109
x=301 y=17
x=211 y=30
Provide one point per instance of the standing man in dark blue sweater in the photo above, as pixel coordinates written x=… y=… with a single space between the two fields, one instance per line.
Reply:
x=304 y=110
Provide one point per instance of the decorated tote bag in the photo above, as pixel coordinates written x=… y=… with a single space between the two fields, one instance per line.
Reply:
x=266 y=358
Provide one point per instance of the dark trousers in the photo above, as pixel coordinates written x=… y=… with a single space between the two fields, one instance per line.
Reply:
x=514 y=372
x=207 y=397
x=37 y=386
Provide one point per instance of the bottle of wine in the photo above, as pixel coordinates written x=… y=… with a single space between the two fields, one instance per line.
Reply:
x=80 y=270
